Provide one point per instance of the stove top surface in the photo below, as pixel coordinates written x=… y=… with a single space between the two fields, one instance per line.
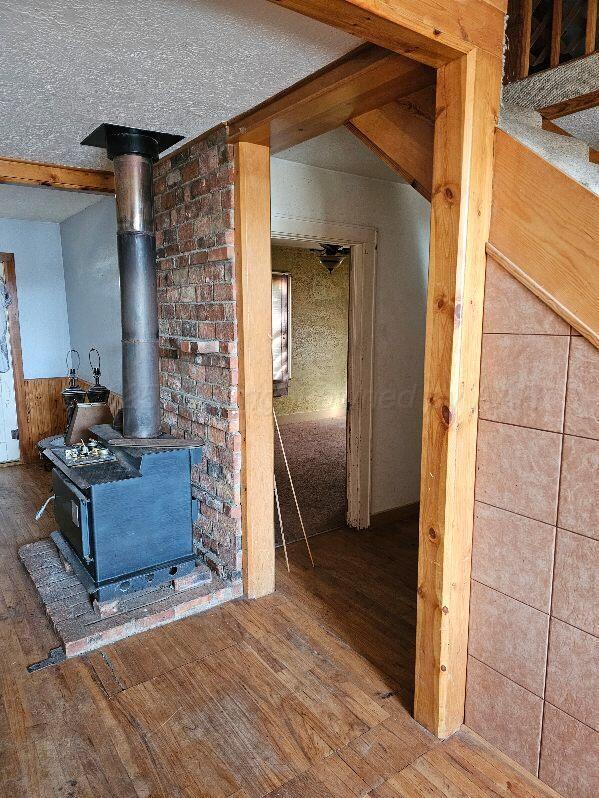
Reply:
x=82 y=454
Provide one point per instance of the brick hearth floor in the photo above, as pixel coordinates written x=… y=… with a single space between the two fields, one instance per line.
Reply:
x=78 y=624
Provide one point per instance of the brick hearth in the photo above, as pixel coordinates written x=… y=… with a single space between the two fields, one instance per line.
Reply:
x=81 y=628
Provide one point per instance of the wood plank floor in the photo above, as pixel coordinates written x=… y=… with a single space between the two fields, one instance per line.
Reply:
x=304 y=694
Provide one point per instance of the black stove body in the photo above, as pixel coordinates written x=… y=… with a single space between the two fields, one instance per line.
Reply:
x=125 y=523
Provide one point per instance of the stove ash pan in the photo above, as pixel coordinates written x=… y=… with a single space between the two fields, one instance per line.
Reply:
x=127 y=525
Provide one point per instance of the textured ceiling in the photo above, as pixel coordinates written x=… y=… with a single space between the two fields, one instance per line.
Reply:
x=179 y=66
x=340 y=151
x=43 y=204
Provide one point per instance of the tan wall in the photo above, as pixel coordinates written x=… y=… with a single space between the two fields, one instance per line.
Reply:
x=319 y=317
x=534 y=623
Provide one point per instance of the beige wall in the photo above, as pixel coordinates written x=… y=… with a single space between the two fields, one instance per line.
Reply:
x=534 y=620
x=319 y=317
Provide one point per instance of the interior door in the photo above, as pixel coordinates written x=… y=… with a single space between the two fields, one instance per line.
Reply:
x=9 y=447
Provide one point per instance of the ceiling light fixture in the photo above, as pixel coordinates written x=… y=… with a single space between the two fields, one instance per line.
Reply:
x=331 y=255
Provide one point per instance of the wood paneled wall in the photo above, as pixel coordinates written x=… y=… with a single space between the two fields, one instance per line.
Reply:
x=45 y=413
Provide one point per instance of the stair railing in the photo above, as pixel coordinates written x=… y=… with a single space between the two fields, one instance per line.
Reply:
x=542 y=34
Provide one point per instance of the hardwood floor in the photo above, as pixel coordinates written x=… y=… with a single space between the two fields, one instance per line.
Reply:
x=304 y=694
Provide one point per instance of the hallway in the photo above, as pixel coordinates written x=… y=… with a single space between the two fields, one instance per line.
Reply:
x=304 y=694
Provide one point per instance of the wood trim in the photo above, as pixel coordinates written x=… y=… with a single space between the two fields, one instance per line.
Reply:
x=556 y=33
x=359 y=384
x=406 y=512
x=539 y=290
x=253 y=277
x=590 y=38
x=430 y=31
x=549 y=246
x=14 y=328
x=70 y=178
x=364 y=79
x=571 y=105
x=401 y=133
x=467 y=110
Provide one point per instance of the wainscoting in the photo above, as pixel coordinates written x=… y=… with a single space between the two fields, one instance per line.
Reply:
x=44 y=412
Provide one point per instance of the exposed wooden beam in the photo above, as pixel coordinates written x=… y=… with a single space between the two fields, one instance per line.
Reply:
x=71 y=178
x=365 y=79
x=467 y=110
x=431 y=31
x=552 y=244
x=402 y=133
x=254 y=281
x=571 y=106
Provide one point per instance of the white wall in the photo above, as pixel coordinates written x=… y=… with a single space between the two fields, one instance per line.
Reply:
x=401 y=217
x=41 y=294
x=91 y=277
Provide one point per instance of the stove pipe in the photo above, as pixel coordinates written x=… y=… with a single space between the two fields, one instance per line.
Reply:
x=133 y=152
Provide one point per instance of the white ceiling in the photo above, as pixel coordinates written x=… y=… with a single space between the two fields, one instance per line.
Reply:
x=340 y=151
x=43 y=204
x=179 y=66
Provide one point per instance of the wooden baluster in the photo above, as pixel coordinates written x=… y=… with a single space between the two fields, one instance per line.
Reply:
x=591 y=29
x=556 y=33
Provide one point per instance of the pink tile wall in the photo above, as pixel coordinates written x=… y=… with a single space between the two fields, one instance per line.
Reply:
x=533 y=680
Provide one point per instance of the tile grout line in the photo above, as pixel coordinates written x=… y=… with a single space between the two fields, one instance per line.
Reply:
x=536 y=520
x=530 y=606
x=559 y=486
x=530 y=692
x=538 y=429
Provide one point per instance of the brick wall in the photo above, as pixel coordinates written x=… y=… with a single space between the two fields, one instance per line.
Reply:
x=193 y=199
x=534 y=620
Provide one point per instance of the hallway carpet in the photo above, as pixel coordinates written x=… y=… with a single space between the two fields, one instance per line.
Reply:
x=316 y=453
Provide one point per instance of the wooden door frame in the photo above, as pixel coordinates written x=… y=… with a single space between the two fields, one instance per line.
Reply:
x=363 y=241
x=16 y=353
x=466 y=50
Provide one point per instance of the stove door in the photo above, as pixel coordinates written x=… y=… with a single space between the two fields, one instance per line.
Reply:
x=71 y=510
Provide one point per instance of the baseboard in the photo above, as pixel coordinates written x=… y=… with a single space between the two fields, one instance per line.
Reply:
x=314 y=415
x=407 y=512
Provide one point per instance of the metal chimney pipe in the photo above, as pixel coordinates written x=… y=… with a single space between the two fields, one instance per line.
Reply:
x=133 y=152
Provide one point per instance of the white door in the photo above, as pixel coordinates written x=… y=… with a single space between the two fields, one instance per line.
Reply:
x=9 y=447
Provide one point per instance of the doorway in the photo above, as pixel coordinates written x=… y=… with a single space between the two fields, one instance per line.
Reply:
x=327 y=409
x=310 y=337
x=11 y=370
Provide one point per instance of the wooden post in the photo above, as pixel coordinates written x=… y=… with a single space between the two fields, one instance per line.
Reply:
x=254 y=313
x=467 y=108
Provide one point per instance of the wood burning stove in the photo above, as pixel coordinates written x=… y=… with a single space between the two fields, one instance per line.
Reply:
x=124 y=507
x=125 y=517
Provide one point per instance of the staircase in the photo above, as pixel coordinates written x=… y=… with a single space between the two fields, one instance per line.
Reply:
x=566 y=153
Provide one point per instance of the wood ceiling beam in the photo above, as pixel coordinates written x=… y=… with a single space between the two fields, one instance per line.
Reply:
x=431 y=31
x=402 y=134
x=365 y=79
x=571 y=106
x=69 y=178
